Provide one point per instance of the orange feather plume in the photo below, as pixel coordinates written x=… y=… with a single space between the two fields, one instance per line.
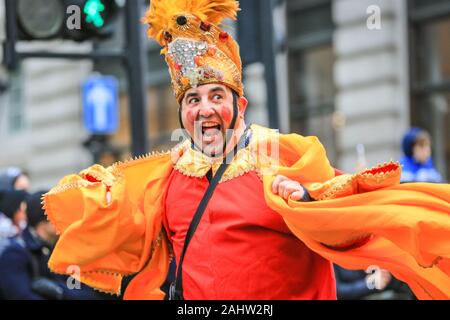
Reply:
x=162 y=13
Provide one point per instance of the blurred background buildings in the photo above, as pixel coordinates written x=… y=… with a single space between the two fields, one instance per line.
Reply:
x=352 y=72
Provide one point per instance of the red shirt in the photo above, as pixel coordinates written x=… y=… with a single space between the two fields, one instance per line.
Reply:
x=241 y=249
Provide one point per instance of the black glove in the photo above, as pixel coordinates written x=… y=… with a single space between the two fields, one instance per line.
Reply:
x=47 y=288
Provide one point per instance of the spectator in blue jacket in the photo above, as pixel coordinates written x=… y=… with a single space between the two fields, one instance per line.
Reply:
x=417 y=162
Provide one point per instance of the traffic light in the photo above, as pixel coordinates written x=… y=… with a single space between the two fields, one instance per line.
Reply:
x=249 y=31
x=39 y=19
x=77 y=20
x=94 y=9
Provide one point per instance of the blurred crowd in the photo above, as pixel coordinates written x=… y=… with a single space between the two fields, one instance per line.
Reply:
x=27 y=240
x=378 y=284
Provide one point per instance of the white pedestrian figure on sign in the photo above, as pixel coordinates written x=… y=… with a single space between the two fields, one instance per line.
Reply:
x=100 y=98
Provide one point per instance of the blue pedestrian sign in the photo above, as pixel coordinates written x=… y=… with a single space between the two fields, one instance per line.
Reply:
x=100 y=105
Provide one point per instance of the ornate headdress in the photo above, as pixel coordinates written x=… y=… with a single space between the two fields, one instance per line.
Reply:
x=197 y=51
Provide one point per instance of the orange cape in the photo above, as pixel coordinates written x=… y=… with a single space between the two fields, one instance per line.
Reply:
x=110 y=223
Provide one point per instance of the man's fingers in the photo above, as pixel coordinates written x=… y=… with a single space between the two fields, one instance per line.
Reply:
x=286 y=187
x=281 y=188
x=290 y=187
x=297 y=195
x=276 y=183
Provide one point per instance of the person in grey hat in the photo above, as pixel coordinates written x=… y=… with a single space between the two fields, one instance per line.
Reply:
x=13 y=217
x=14 y=178
x=24 y=272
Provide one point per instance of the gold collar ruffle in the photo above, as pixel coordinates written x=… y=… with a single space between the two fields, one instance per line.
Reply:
x=193 y=163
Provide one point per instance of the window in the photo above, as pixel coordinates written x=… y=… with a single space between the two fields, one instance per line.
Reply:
x=430 y=75
x=311 y=63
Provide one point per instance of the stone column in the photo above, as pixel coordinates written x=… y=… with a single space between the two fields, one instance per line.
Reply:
x=371 y=76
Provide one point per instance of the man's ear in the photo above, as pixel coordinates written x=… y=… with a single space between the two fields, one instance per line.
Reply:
x=242 y=105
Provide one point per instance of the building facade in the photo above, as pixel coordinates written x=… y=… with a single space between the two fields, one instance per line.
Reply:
x=40 y=115
x=356 y=73
x=361 y=72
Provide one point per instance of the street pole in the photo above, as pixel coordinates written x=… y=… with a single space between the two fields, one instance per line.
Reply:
x=133 y=56
x=9 y=45
x=136 y=68
x=268 y=58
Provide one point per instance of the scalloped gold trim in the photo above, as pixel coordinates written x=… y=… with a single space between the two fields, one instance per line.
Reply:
x=89 y=276
x=65 y=187
x=385 y=174
x=435 y=262
x=380 y=176
x=142 y=158
x=338 y=186
x=115 y=170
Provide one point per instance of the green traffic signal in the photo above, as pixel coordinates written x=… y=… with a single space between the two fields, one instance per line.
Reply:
x=93 y=10
x=77 y=20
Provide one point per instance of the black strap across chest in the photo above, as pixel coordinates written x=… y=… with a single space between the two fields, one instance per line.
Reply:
x=176 y=289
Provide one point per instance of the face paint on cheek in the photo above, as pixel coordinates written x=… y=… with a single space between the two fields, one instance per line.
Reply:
x=226 y=115
x=191 y=116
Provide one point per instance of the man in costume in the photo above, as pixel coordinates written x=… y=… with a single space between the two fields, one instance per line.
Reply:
x=260 y=236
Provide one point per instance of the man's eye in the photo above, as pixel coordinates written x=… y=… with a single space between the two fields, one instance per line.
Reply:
x=194 y=100
x=217 y=97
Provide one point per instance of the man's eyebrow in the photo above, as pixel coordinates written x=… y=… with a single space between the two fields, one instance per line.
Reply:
x=190 y=95
x=216 y=89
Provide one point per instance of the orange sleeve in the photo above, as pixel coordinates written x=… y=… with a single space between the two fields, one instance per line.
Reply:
x=110 y=223
x=409 y=224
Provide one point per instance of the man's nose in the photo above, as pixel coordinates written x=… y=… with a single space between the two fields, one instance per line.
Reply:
x=206 y=109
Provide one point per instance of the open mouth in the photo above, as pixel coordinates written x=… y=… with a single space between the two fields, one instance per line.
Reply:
x=211 y=132
x=211 y=128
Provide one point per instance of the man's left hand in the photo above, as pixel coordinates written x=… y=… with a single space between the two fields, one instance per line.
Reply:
x=286 y=187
